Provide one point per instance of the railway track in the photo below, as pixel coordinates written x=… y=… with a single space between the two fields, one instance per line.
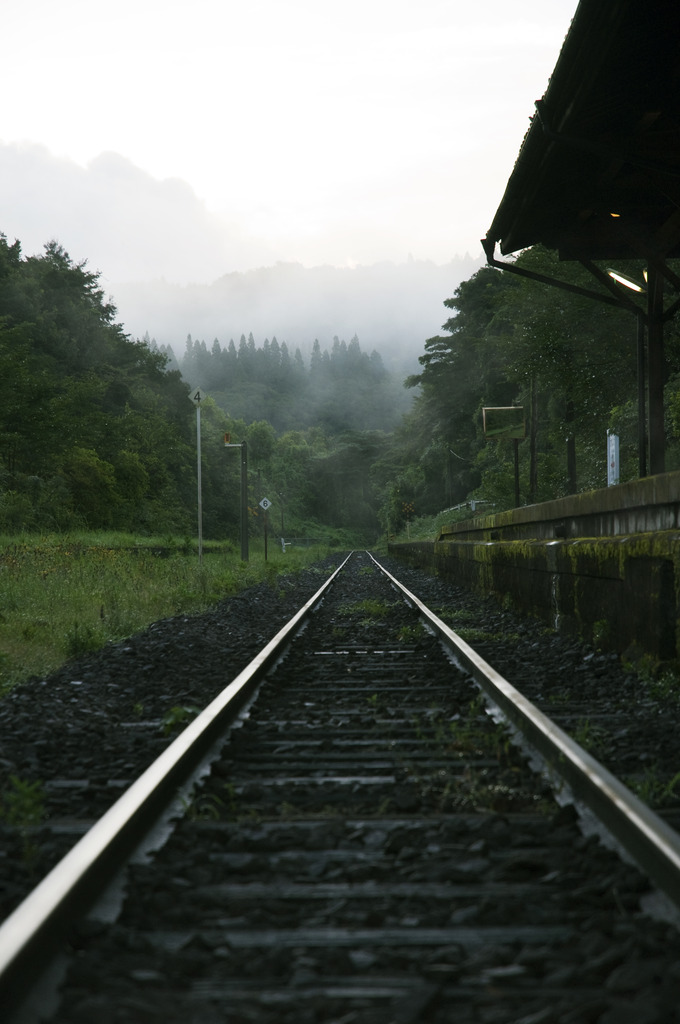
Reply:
x=366 y=846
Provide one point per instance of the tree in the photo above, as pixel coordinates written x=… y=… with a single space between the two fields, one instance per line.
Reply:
x=92 y=483
x=573 y=360
x=568 y=360
x=462 y=372
x=92 y=426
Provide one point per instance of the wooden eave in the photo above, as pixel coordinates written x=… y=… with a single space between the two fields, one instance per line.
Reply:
x=598 y=173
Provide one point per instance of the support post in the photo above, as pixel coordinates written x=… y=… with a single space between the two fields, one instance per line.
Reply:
x=642 y=401
x=533 y=443
x=244 y=502
x=655 y=369
x=516 y=443
x=198 y=475
x=651 y=435
x=569 y=417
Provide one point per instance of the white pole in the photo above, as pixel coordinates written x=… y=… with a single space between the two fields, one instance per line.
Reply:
x=613 y=468
x=200 y=499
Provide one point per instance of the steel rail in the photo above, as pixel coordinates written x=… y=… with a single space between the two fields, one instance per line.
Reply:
x=652 y=843
x=41 y=923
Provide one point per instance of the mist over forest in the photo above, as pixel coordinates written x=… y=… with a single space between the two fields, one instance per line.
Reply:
x=392 y=308
x=337 y=390
x=98 y=429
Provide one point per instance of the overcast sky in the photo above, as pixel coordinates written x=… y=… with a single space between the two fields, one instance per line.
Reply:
x=187 y=139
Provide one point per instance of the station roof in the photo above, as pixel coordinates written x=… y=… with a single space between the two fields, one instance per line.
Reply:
x=598 y=172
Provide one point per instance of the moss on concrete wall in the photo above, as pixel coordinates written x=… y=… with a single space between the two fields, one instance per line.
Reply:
x=619 y=593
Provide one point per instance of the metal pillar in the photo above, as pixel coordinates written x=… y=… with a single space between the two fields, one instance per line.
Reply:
x=516 y=440
x=651 y=413
x=244 y=502
x=198 y=480
x=642 y=400
x=655 y=370
x=243 y=517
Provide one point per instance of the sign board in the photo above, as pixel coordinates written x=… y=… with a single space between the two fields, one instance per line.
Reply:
x=612 y=459
x=265 y=503
x=504 y=422
x=197 y=396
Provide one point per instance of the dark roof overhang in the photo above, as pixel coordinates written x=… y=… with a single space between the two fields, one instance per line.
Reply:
x=598 y=172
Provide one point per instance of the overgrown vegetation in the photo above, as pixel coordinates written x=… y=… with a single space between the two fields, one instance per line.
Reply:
x=61 y=596
x=654 y=788
x=368 y=608
x=341 y=388
x=176 y=717
x=22 y=808
x=97 y=430
x=570 y=362
x=22 y=803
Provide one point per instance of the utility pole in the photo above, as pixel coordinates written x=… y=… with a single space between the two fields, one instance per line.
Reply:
x=197 y=397
x=244 y=493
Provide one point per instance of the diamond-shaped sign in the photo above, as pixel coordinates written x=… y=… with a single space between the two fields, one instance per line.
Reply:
x=265 y=503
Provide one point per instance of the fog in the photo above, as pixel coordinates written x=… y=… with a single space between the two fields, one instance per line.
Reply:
x=127 y=224
x=256 y=132
x=213 y=161
x=392 y=308
x=173 y=268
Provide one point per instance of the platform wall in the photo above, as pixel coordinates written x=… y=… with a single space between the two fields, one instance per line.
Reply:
x=604 y=566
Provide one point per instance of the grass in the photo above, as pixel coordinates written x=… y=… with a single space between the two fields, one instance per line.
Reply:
x=22 y=808
x=663 y=685
x=654 y=789
x=64 y=595
x=462 y=621
x=471 y=735
x=428 y=527
x=177 y=717
x=22 y=804
x=591 y=737
x=370 y=607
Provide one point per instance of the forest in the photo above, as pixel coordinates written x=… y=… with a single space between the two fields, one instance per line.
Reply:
x=340 y=390
x=97 y=430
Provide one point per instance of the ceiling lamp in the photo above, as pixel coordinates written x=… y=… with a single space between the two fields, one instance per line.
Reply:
x=627 y=282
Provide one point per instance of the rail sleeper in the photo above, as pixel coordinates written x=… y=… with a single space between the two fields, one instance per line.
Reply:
x=371 y=849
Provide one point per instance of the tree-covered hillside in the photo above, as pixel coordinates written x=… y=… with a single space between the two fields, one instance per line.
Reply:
x=93 y=430
x=391 y=307
x=569 y=361
x=344 y=389
x=98 y=431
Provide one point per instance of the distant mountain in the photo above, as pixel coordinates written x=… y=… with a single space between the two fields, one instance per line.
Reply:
x=392 y=308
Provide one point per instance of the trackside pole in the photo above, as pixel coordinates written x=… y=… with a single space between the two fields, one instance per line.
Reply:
x=196 y=397
x=244 y=493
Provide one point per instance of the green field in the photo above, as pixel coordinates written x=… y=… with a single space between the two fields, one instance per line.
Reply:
x=61 y=596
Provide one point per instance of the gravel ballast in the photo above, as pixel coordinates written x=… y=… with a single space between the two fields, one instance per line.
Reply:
x=90 y=729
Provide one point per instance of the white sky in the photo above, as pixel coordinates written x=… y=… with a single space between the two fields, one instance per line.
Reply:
x=190 y=139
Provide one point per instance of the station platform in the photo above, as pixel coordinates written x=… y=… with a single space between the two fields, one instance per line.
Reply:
x=603 y=565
